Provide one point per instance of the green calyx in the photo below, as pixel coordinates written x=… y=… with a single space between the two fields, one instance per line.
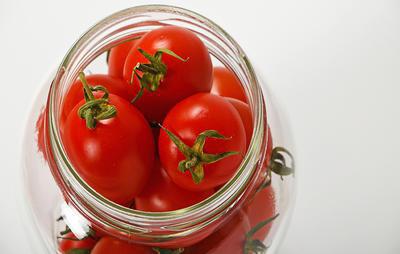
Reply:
x=195 y=156
x=168 y=251
x=78 y=251
x=95 y=109
x=152 y=73
x=278 y=164
x=255 y=246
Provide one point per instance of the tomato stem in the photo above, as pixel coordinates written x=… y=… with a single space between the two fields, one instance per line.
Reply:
x=277 y=163
x=195 y=156
x=152 y=73
x=79 y=251
x=168 y=251
x=255 y=245
x=95 y=109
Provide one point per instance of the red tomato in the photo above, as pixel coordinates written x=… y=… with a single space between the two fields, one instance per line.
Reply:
x=109 y=245
x=75 y=93
x=261 y=208
x=116 y=58
x=230 y=238
x=246 y=116
x=187 y=120
x=116 y=157
x=225 y=83
x=70 y=242
x=161 y=194
x=179 y=80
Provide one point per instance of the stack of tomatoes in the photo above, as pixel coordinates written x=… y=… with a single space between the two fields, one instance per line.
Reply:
x=162 y=130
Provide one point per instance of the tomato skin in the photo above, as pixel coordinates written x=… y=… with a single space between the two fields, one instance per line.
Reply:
x=229 y=238
x=246 y=116
x=117 y=57
x=116 y=157
x=161 y=194
x=225 y=83
x=67 y=244
x=187 y=120
x=75 y=93
x=109 y=245
x=182 y=78
x=260 y=209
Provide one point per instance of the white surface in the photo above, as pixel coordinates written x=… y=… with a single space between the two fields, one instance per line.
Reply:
x=335 y=65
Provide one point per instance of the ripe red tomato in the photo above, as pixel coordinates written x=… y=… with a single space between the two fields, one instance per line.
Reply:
x=116 y=157
x=117 y=57
x=229 y=238
x=161 y=194
x=70 y=242
x=261 y=208
x=75 y=93
x=109 y=245
x=246 y=116
x=172 y=78
x=188 y=121
x=225 y=83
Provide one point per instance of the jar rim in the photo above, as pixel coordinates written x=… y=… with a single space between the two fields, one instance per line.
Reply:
x=181 y=219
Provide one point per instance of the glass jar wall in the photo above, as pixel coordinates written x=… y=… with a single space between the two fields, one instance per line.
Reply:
x=248 y=214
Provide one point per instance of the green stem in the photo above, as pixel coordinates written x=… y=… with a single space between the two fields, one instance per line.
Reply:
x=79 y=251
x=168 y=251
x=195 y=155
x=153 y=72
x=95 y=109
x=87 y=90
x=255 y=245
x=278 y=163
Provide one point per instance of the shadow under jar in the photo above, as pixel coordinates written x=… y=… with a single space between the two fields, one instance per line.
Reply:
x=248 y=214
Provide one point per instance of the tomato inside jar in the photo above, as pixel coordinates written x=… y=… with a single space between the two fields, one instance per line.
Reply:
x=167 y=147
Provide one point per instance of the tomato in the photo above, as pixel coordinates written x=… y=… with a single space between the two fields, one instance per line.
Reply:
x=69 y=242
x=173 y=77
x=161 y=194
x=229 y=238
x=117 y=57
x=246 y=116
x=260 y=209
x=116 y=156
x=225 y=83
x=212 y=122
x=75 y=93
x=109 y=245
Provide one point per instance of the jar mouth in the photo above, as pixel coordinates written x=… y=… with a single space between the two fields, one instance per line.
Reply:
x=103 y=36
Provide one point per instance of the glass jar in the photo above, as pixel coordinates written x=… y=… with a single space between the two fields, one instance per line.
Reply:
x=249 y=214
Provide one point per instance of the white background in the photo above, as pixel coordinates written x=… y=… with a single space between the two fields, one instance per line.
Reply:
x=335 y=67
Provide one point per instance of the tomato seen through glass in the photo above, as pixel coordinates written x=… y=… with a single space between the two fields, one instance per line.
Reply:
x=162 y=131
